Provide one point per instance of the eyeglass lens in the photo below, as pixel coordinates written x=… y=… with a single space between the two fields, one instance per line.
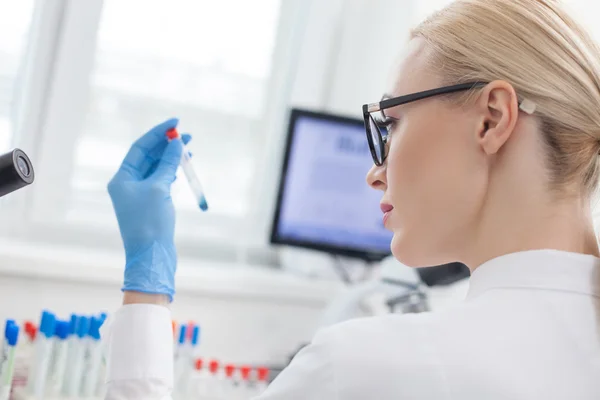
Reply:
x=378 y=135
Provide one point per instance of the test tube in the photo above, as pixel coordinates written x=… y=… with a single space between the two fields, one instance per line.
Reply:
x=93 y=358
x=43 y=352
x=263 y=380
x=181 y=356
x=11 y=336
x=214 y=382
x=4 y=345
x=61 y=349
x=188 y=373
x=231 y=384
x=75 y=362
x=190 y=173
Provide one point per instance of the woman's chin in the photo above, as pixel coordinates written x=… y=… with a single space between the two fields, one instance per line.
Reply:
x=412 y=252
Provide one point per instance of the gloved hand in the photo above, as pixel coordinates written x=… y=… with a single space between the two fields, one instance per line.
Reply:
x=141 y=195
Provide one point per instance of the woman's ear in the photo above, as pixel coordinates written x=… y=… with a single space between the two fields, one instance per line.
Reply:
x=498 y=109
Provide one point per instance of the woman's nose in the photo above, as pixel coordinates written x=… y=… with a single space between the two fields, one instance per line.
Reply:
x=376 y=177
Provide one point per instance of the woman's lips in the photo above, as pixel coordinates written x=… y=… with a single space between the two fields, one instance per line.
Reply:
x=386 y=209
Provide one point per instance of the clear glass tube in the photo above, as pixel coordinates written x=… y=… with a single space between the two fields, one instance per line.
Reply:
x=192 y=178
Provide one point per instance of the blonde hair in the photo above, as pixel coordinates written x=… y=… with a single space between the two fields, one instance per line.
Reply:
x=547 y=57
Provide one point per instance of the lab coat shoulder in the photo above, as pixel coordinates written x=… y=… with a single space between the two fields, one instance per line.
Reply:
x=388 y=356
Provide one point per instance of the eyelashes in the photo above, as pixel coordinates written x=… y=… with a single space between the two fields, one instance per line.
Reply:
x=387 y=125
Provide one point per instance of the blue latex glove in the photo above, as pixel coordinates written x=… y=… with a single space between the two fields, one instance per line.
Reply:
x=141 y=195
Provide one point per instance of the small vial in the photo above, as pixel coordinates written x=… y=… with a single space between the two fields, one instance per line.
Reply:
x=190 y=173
x=263 y=380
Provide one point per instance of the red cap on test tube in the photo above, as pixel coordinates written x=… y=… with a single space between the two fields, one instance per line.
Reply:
x=245 y=370
x=213 y=366
x=30 y=330
x=263 y=374
x=199 y=363
x=229 y=370
x=172 y=134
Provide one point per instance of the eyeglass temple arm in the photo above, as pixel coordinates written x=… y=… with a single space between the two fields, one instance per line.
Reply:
x=525 y=105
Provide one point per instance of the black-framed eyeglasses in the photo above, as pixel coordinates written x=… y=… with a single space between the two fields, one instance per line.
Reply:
x=377 y=128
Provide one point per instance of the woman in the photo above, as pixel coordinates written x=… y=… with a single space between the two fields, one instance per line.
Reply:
x=497 y=170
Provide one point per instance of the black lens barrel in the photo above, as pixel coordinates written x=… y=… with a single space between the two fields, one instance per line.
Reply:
x=16 y=171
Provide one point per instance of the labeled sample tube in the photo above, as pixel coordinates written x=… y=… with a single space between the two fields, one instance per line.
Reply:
x=8 y=368
x=38 y=373
x=190 y=173
x=93 y=358
x=61 y=352
x=75 y=361
x=187 y=378
x=263 y=380
x=181 y=356
x=4 y=344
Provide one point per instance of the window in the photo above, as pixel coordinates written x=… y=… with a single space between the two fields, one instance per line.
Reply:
x=192 y=59
x=14 y=24
x=224 y=68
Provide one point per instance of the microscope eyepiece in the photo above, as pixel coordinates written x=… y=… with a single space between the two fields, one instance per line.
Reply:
x=16 y=171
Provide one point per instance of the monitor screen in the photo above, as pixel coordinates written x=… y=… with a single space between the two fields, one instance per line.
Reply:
x=324 y=202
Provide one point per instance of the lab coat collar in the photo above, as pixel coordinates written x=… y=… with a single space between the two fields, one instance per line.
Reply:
x=538 y=269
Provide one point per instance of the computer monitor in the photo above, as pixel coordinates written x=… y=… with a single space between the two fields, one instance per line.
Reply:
x=324 y=202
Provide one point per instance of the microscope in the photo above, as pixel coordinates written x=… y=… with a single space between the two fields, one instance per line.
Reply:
x=16 y=171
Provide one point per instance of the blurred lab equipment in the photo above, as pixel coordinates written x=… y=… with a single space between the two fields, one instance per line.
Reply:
x=16 y=171
x=36 y=367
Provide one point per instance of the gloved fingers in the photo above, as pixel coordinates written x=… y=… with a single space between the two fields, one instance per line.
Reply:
x=153 y=158
x=169 y=162
x=156 y=135
x=143 y=155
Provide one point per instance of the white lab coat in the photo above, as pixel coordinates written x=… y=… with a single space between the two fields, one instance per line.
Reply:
x=529 y=329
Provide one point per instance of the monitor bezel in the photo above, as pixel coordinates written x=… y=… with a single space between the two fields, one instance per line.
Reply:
x=275 y=238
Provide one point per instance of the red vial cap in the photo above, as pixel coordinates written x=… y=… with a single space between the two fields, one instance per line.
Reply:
x=263 y=374
x=229 y=370
x=213 y=366
x=172 y=134
x=30 y=330
x=245 y=370
x=198 y=365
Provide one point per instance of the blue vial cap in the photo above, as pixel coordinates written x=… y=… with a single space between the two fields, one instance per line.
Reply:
x=62 y=329
x=195 y=335
x=12 y=334
x=94 y=331
x=9 y=323
x=73 y=324
x=182 y=334
x=83 y=326
x=47 y=324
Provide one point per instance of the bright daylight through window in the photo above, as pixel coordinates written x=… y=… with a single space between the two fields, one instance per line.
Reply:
x=183 y=60
x=15 y=17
